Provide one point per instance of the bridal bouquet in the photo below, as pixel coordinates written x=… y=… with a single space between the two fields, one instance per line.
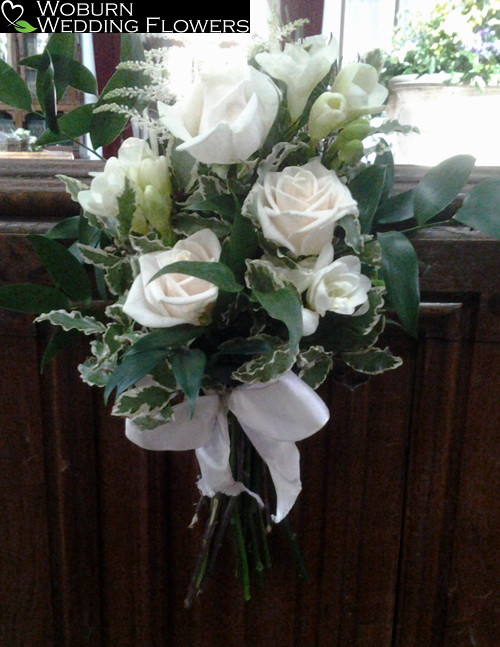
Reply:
x=229 y=260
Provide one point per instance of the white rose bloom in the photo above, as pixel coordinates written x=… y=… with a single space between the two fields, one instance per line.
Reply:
x=301 y=67
x=358 y=82
x=226 y=117
x=339 y=287
x=173 y=298
x=149 y=177
x=298 y=207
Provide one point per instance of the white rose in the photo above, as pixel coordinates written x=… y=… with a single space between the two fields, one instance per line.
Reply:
x=173 y=298
x=301 y=67
x=358 y=82
x=339 y=287
x=298 y=207
x=226 y=117
x=149 y=177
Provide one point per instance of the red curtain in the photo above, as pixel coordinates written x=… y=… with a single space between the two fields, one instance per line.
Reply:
x=312 y=9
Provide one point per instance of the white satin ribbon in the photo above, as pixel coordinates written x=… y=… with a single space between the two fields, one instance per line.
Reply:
x=273 y=416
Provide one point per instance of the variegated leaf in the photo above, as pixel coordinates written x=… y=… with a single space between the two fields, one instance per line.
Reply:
x=73 y=321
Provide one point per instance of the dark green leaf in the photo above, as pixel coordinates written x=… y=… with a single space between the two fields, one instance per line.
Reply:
x=66 y=272
x=481 y=208
x=386 y=160
x=242 y=243
x=67 y=71
x=400 y=273
x=60 y=341
x=395 y=209
x=46 y=91
x=222 y=204
x=13 y=90
x=188 y=365
x=66 y=229
x=165 y=338
x=63 y=44
x=241 y=346
x=81 y=78
x=133 y=368
x=131 y=47
x=440 y=186
x=31 y=298
x=216 y=273
x=284 y=305
x=366 y=188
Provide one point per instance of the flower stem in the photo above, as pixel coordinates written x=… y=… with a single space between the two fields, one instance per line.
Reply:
x=297 y=553
x=203 y=556
x=241 y=552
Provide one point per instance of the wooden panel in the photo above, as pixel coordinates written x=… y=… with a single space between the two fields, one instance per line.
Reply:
x=398 y=487
x=26 y=588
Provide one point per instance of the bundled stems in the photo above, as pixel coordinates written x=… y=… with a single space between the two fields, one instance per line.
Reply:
x=250 y=524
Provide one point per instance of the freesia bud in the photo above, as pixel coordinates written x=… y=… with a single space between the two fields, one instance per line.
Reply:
x=328 y=111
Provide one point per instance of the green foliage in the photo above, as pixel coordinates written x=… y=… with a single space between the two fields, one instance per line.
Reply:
x=32 y=298
x=13 y=90
x=66 y=272
x=188 y=366
x=400 y=272
x=480 y=208
x=461 y=38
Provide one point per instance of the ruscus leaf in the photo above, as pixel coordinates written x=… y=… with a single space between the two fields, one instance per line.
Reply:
x=400 y=273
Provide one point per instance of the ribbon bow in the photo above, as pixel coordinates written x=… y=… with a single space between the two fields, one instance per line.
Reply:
x=273 y=416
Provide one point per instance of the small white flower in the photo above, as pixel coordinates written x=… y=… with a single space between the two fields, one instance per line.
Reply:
x=339 y=287
x=358 y=82
x=173 y=298
x=327 y=112
x=149 y=176
x=301 y=66
x=226 y=117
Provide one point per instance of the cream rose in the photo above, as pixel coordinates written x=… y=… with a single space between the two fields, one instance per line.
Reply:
x=339 y=287
x=358 y=82
x=148 y=175
x=298 y=207
x=173 y=298
x=226 y=117
x=301 y=67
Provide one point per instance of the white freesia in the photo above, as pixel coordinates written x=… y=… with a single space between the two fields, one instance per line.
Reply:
x=174 y=298
x=339 y=287
x=226 y=117
x=358 y=82
x=298 y=207
x=148 y=175
x=301 y=66
x=327 y=112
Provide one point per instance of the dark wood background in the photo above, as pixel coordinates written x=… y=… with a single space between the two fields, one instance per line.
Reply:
x=399 y=517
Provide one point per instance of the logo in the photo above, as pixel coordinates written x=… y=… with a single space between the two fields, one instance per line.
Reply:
x=13 y=14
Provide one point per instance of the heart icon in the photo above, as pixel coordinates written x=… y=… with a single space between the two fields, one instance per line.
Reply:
x=11 y=11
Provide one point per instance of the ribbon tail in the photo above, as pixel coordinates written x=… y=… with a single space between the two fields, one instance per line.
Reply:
x=213 y=458
x=274 y=416
x=283 y=460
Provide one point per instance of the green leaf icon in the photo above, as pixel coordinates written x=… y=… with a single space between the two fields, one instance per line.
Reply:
x=24 y=27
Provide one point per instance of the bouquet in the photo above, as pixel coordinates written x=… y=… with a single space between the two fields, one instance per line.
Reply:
x=229 y=260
